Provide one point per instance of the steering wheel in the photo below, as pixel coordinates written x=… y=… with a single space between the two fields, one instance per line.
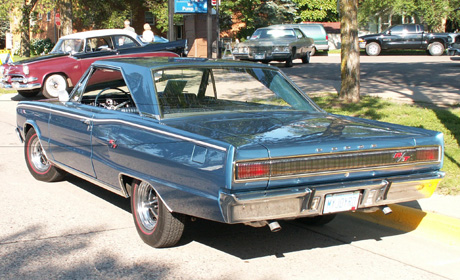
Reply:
x=107 y=88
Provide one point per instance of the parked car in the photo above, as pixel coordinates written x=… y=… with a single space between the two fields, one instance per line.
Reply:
x=405 y=36
x=315 y=31
x=275 y=44
x=229 y=141
x=73 y=54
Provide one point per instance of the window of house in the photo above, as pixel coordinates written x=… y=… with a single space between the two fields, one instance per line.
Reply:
x=149 y=18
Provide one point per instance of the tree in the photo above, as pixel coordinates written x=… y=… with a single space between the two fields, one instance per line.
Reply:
x=349 y=91
x=159 y=8
x=317 y=10
x=256 y=13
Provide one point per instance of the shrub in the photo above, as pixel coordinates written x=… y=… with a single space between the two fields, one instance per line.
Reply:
x=41 y=46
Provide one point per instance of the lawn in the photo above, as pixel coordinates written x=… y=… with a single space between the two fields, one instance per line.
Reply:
x=445 y=120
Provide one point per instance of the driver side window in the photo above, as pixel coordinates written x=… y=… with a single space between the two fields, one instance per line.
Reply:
x=106 y=88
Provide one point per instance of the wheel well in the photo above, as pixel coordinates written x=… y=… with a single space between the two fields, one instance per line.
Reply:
x=437 y=41
x=126 y=183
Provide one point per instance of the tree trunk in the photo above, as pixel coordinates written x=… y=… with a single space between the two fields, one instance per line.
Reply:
x=349 y=91
x=66 y=17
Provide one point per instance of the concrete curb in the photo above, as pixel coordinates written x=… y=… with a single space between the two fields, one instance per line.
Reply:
x=435 y=226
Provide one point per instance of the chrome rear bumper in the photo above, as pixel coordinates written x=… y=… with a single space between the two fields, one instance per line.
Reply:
x=291 y=203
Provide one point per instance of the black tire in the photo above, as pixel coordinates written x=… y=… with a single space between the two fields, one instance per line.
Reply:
x=373 y=49
x=436 y=49
x=318 y=220
x=313 y=51
x=306 y=58
x=53 y=84
x=37 y=162
x=154 y=223
x=289 y=62
x=28 y=93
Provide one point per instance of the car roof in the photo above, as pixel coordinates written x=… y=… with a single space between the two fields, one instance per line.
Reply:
x=99 y=32
x=177 y=62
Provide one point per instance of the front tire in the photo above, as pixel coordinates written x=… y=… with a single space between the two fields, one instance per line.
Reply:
x=53 y=85
x=436 y=49
x=37 y=162
x=154 y=223
x=289 y=62
x=373 y=49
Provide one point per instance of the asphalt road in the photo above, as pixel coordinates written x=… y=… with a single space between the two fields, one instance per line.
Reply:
x=75 y=230
x=422 y=79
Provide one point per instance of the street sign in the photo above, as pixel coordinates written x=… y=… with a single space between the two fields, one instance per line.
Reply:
x=57 y=19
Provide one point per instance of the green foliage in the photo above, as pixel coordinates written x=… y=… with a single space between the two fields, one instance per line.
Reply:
x=41 y=46
x=159 y=8
x=317 y=10
x=257 y=13
x=446 y=121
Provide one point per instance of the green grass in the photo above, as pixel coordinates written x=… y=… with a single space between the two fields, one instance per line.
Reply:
x=446 y=121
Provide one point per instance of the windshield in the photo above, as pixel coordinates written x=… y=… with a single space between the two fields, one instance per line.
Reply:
x=68 y=46
x=272 y=34
x=196 y=91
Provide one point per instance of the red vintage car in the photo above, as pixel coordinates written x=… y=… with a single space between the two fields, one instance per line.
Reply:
x=73 y=54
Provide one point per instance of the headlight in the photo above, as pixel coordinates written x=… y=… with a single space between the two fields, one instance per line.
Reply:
x=281 y=49
x=25 y=69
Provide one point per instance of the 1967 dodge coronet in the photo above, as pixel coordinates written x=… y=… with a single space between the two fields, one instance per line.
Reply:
x=228 y=141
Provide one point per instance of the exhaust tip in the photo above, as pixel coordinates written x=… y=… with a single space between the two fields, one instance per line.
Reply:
x=386 y=210
x=274 y=226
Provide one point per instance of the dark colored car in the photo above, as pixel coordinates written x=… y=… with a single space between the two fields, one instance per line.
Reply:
x=276 y=43
x=233 y=142
x=405 y=36
x=73 y=54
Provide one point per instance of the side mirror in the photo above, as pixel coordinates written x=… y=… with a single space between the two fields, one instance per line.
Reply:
x=63 y=96
x=388 y=32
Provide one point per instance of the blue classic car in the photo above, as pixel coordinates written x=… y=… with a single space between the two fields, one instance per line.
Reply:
x=228 y=141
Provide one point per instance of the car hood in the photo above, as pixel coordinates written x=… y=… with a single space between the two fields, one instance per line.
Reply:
x=266 y=42
x=283 y=133
x=39 y=58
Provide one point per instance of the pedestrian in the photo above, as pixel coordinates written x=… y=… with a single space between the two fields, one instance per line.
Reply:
x=128 y=27
x=147 y=35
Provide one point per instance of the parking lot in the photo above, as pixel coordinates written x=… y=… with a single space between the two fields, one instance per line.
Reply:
x=75 y=230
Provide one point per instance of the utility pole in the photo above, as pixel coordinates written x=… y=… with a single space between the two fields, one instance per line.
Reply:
x=209 y=27
x=170 y=20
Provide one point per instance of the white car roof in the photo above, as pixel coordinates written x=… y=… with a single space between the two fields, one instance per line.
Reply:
x=100 y=32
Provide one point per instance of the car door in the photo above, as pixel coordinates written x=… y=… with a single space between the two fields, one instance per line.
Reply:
x=413 y=37
x=70 y=128
x=301 y=43
x=396 y=37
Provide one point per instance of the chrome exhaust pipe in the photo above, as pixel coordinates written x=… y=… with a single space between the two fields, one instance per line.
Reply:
x=274 y=226
x=386 y=209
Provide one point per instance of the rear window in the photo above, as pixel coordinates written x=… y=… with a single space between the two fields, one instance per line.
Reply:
x=312 y=30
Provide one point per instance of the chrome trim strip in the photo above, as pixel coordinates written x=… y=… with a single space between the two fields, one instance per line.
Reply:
x=199 y=142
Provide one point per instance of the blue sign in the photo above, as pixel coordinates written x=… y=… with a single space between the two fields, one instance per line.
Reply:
x=190 y=6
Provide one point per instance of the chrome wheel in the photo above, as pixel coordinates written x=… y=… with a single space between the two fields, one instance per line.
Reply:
x=147 y=206
x=38 y=157
x=373 y=49
x=436 y=48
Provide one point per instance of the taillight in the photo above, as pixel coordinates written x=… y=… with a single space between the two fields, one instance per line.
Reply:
x=327 y=37
x=252 y=170
x=427 y=154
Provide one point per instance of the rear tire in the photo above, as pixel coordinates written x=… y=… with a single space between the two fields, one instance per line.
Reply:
x=154 y=223
x=436 y=49
x=37 y=162
x=313 y=51
x=306 y=58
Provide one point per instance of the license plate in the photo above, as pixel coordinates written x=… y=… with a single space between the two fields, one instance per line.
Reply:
x=259 y=56
x=339 y=202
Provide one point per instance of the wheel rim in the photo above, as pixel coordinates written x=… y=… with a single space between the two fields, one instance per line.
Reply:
x=38 y=157
x=373 y=49
x=147 y=206
x=436 y=49
x=55 y=84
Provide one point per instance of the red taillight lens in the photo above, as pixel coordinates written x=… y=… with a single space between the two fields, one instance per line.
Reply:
x=327 y=38
x=428 y=154
x=252 y=170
